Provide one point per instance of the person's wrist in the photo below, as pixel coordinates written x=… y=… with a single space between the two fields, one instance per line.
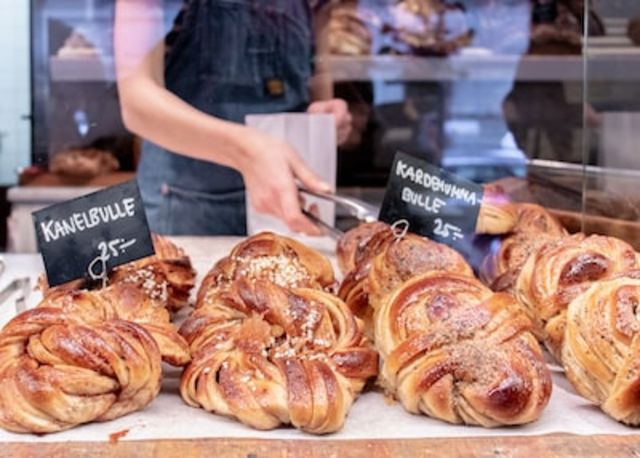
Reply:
x=240 y=139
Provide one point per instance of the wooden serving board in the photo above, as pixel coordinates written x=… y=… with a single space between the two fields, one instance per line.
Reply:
x=51 y=179
x=628 y=231
x=555 y=445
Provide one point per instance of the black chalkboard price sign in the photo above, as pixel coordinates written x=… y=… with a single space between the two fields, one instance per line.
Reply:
x=435 y=203
x=90 y=235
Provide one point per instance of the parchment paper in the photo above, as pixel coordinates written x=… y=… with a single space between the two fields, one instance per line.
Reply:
x=371 y=417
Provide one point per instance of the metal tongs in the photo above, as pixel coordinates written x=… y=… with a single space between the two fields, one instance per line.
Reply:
x=360 y=210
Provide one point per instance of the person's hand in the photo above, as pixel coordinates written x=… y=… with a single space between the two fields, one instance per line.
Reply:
x=338 y=108
x=270 y=167
x=594 y=119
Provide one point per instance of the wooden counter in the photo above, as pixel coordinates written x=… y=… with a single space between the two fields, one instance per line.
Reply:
x=556 y=445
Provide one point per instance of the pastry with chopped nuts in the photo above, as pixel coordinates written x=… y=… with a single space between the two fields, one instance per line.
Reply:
x=167 y=277
x=269 y=356
x=271 y=257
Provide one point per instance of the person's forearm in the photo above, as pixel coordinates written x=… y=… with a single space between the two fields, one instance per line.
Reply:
x=154 y=113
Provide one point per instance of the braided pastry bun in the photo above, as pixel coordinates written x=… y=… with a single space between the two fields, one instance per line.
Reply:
x=354 y=289
x=558 y=271
x=454 y=350
x=534 y=227
x=353 y=246
x=406 y=257
x=271 y=257
x=494 y=218
x=356 y=245
x=534 y=219
x=123 y=301
x=386 y=261
x=601 y=351
x=501 y=268
x=267 y=356
x=167 y=276
x=80 y=357
x=497 y=214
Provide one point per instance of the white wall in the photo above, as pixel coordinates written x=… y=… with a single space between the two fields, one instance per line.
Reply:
x=15 y=91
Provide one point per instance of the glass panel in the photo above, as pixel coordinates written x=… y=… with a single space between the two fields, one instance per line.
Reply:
x=76 y=105
x=495 y=93
x=491 y=90
x=442 y=98
x=613 y=118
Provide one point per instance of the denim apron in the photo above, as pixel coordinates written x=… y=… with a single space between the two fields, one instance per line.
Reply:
x=231 y=58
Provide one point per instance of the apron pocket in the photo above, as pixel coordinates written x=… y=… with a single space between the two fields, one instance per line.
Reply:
x=193 y=212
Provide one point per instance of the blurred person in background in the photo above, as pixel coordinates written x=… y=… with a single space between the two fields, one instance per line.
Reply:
x=543 y=117
x=188 y=91
x=633 y=30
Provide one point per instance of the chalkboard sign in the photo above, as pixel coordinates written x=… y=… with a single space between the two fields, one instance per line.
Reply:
x=90 y=235
x=435 y=203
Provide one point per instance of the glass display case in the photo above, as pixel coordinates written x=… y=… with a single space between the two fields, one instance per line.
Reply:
x=541 y=99
x=74 y=91
x=612 y=98
x=450 y=85
x=482 y=94
x=535 y=95
x=15 y=91
x=453 y=305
